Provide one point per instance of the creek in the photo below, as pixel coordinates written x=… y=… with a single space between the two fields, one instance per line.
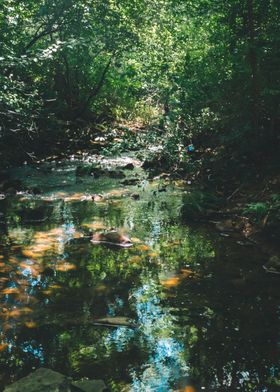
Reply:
x=190 y=310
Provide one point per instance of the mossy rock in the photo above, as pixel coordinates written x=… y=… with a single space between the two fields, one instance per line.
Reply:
x=90 y=385
x=42 y=380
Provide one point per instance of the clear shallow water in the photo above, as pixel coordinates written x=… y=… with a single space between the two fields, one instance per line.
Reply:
x=205 y=315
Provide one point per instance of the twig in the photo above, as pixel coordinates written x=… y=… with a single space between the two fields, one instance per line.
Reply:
x=261 y=192
x=265 y=220
x=234 y=193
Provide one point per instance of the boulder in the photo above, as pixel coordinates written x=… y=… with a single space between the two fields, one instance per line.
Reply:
x=90 y=385
x=129 y=166
x=135 y=196
x=42 y=380
x=112 y=238
x=97 y=197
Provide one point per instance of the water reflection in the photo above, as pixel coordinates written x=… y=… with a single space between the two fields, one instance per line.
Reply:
x=166 y=362
x=206 y=316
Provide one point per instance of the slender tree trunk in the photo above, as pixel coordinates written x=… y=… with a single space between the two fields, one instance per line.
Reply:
x=254 y=67
x=96 y=89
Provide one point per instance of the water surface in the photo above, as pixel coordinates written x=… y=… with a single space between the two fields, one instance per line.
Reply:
x=204 y=315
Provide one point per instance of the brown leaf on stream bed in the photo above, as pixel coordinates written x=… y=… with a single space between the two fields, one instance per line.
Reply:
x=30 y=324
x=65 y=267
x=3 y=346
x=4 y=268
x=176 y=279
x=143 y=247
x=171 y=282
x=10 y=290
x=46 y=242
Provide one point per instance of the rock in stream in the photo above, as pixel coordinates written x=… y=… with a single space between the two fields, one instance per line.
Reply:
x=47 y=380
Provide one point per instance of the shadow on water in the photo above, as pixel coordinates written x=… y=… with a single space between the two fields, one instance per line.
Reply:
x=204 y=316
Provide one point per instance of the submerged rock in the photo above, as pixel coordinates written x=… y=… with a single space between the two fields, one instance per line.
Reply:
x=129 y=166
x=47 y=380
x=42 y=380
x=135 y=196
x=90 y=385
x=97 y=197
x=112 y=238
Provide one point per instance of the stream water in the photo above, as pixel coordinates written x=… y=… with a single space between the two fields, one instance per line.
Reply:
x=192 y=310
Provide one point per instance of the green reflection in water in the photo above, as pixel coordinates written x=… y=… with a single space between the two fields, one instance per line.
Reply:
x=205 y=313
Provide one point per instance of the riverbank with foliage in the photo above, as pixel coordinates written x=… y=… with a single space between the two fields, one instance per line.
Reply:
x=237 y=197
x=196 y=70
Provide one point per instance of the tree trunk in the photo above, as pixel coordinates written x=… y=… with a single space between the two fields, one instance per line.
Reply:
x=254 y=67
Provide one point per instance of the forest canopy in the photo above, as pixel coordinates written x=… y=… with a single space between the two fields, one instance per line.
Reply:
x=208 y=68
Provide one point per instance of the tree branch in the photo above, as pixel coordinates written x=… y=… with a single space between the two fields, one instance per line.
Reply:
x=97 y=87
x=39 y=36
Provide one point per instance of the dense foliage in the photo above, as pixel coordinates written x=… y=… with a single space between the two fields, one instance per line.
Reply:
x=194 y=69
